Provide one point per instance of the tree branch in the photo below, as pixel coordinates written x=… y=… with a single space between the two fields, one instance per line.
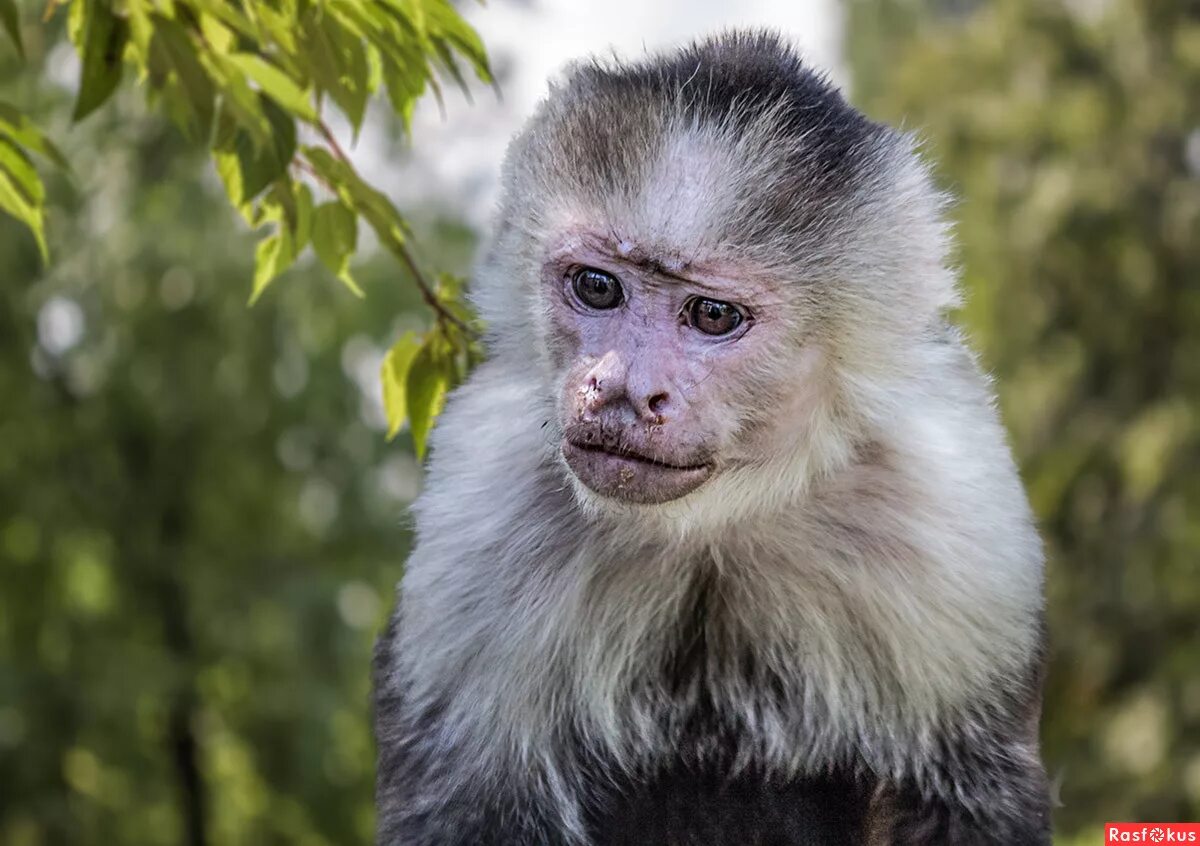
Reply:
x=428 y=294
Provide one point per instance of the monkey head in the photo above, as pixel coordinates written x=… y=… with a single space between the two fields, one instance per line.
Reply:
x=717 y=270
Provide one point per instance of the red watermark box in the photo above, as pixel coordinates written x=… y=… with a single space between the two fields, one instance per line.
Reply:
x=1140 y=832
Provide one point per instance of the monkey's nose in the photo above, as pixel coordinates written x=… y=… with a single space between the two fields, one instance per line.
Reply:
x=655 y=407
x=592 y=393
x=604 y=383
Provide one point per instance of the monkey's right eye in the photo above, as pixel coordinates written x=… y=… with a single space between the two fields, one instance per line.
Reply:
x=597 y=289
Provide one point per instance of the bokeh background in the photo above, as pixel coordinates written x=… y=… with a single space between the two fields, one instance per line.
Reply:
x=201 y=522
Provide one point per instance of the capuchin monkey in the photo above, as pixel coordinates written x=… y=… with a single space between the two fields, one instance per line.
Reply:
x=723 y=544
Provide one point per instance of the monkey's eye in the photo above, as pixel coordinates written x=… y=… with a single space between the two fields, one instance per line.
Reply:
x=713 y=317
x=597 y=289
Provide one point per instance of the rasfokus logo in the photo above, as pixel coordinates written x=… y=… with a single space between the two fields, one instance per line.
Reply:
x=1151 y=833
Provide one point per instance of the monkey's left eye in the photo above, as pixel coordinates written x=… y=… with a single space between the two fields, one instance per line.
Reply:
x=713 y=317
x=597 y=289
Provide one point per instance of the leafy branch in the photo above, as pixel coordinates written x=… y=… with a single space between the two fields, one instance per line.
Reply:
x=243 y=77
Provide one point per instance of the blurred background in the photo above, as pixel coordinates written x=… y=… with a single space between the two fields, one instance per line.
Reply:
x=201 y=523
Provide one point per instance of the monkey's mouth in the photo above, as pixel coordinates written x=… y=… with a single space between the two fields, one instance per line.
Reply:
x=617 y=471
x=633 y=455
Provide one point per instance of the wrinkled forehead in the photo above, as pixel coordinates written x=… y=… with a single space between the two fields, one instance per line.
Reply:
x=672 y=206
x=747 y=187
x=688 y=199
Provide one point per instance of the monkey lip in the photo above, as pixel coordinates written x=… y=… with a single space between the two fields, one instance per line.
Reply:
x=622 y=473
x=633 y=455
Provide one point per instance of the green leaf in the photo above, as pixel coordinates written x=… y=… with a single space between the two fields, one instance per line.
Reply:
x=338 y=59
x=76 y=20
x=30 y=216
x=425 y=388
x=262 y=165
x=240 y=108
x=403 y=52
x=225 y=127
x=376 y=208
x=230 y=171
x=273 y=255
x=276 y=84
x=334 y=236
x=374 y=70
x=442 y=50
x=173 y=47
x=394 y=376
x=277 y=26
x=408 y=15
x=12 y=24
x=22 y=130
x=20 y=170
x=404 y=87
x=288 y=203
x=279 y=205
x=445 y=23
x=230 y=15
x=104 y=36
x=21 y=192
x=302 y=232
x=450 y=287
x=218 y=37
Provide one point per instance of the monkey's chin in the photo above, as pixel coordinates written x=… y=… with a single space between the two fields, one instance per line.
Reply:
x=632 y=478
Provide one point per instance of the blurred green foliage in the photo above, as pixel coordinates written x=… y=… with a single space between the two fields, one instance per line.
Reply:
x=200 y=521
x=1070 y=132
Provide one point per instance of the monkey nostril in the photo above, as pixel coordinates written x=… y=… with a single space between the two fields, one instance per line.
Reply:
x=658 y=403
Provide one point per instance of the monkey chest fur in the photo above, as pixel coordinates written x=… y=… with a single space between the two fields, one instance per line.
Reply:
x=690 y=805
x=707 y=790
x=701 y=789
x=720 y=722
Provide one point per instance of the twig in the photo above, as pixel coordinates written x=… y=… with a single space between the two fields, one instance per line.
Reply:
x=332 y=141
x=427 y=292
x=428 y=295
x=301 y=164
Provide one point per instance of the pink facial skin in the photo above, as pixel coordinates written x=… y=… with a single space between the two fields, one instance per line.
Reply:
x=646 y=409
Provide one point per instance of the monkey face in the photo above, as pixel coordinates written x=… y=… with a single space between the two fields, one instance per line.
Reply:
x=646 y=347
x=718 y=285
